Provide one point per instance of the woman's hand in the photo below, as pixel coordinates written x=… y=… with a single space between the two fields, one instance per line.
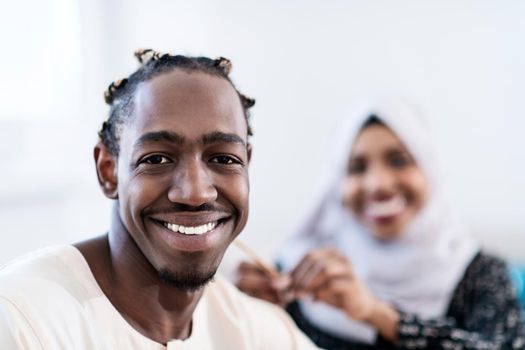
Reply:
x=327 y=276
x=261 y=284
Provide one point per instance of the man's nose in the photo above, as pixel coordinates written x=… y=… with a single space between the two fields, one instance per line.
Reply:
x=193 y=185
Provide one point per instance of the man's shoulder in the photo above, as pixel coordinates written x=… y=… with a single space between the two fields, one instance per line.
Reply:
x=34 y=262
x=37 y=272
x=45 y=298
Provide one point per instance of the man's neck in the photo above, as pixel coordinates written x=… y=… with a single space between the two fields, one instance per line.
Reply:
x=157 y=310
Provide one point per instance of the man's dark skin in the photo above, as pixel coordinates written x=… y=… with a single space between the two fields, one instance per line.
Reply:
x=183 y=159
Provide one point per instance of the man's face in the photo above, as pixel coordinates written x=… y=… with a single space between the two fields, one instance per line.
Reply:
x=183 y=174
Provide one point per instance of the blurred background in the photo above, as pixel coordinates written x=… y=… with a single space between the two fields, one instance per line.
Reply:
x=304 y=61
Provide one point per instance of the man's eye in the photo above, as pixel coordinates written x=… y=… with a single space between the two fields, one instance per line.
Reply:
x=226 y=160
x=156 y=159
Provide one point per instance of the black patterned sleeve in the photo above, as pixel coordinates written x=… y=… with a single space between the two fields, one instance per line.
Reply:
x=484 y=314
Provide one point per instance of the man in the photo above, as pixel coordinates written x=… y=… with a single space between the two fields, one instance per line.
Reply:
x=174 y=157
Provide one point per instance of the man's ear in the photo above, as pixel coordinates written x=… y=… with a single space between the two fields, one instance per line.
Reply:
x=106 y=165
x=249 y=151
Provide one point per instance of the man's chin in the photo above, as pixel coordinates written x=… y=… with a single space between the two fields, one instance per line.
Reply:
x=189 y=281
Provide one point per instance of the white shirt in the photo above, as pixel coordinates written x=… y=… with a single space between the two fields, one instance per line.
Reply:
x=51 y=300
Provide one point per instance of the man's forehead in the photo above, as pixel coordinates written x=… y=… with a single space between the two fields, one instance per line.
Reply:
x=169 y=111
x=180 y=91
x=180 y=100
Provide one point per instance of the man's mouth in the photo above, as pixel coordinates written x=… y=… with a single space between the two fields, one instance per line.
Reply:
x=191 y=230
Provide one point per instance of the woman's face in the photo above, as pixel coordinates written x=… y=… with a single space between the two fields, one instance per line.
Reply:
x=384 y=187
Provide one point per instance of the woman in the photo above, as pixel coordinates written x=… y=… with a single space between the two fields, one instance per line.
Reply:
x=382 y=261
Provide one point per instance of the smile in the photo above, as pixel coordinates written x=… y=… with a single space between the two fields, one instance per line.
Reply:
x=386 y=208
x=191 y=233
x=191 y=230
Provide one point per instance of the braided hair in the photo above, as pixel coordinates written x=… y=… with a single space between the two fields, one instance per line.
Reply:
x=120 y=94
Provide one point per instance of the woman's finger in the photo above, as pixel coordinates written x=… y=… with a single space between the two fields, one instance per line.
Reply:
x=248 y=267
x=330 y=270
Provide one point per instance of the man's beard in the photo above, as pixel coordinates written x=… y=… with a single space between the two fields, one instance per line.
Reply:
x=189 y=281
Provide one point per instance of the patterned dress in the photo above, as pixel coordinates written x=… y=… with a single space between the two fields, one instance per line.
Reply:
x=484 y=313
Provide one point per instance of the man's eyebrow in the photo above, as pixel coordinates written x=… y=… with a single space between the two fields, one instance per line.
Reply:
x=157 y=136
x=217 y=136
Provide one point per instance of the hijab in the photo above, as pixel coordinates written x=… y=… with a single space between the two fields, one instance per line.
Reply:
x=417 y=271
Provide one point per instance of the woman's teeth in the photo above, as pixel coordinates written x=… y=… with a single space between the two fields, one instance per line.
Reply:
x=390 y=207
x=191 y=230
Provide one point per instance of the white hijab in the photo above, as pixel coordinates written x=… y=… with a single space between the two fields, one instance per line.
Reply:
x=417 y=272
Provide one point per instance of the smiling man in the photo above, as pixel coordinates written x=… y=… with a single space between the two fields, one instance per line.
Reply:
x=174 y=157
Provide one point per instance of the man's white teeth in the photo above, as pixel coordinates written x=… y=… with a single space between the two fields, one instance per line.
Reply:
x=390 y=207
x=191 y=230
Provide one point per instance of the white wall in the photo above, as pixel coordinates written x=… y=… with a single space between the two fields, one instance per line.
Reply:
x=305 y=62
